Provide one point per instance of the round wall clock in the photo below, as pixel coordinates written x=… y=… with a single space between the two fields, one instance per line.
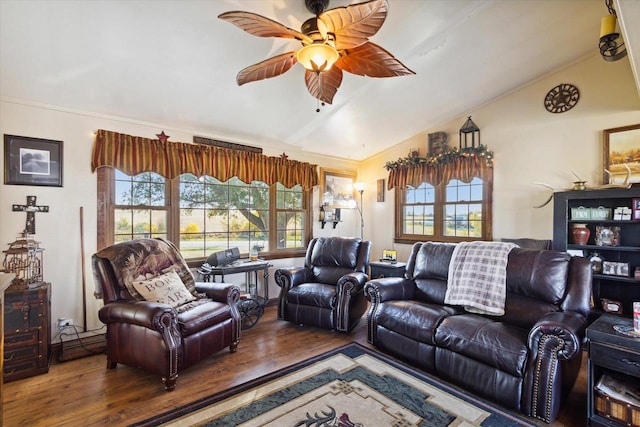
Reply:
x=561 y=98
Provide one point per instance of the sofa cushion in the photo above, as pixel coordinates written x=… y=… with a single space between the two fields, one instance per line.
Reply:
x=429 y=267
x=202 y=315
x=497 y=344
x=413 y=319
x=539 y=275
x=312 y=294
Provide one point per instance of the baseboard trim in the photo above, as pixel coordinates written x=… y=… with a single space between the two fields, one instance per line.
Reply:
x=79 y=347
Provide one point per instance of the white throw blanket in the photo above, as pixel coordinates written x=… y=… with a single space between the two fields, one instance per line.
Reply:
x=478 y=277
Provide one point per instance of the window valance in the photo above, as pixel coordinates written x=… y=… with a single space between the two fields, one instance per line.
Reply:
x=463 y=164
x=133 y=155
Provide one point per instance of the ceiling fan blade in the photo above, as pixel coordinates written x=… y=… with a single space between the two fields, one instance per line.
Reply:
x=371 y=60
x=271 y=67
x=260 y=26
x=354 y=24
x=324 y=85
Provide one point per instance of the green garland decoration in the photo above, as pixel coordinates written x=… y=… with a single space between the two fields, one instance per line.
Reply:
x=444 y=157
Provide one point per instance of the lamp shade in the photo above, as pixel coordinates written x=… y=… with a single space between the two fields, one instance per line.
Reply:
x=317 y=56
x=360 y=186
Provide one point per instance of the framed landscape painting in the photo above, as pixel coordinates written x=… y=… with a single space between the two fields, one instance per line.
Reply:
x=337 y=188
x=32 y=161
x=622 y=154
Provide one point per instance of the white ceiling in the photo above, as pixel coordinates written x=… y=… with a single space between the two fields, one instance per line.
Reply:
x=174 y=63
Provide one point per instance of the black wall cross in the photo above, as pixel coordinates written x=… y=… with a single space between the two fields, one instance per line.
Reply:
x=30 y=208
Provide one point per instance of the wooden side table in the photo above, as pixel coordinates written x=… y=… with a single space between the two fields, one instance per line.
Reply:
x=27 y=331
x=386 y=269
x=611 y=353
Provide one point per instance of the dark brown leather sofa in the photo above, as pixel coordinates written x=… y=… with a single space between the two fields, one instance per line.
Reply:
x=155 y=336
x=526 y=360
x=328 y=291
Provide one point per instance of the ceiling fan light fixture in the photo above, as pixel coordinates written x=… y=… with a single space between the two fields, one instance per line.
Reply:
x=318 y=56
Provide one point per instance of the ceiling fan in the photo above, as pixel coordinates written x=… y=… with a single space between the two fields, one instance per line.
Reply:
x=333 y=41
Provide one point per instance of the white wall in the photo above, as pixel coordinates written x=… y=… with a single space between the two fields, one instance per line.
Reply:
x=59 y=230
x=530 y=145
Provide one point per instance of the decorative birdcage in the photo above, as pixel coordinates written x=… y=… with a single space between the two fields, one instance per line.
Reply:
x=24 y=259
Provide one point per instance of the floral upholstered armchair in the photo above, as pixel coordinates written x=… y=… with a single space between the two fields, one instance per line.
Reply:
x=158 y=318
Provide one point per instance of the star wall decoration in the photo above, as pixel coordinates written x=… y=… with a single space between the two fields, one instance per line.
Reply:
x=162 y=137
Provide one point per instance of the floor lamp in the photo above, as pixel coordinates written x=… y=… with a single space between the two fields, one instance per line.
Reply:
x=360 y=187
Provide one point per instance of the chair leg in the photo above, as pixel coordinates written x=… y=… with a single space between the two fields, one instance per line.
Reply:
x=170 y=383
x=111 y=364
x=233 y=347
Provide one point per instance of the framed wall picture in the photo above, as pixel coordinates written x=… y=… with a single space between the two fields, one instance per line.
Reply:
x=32 y=161
x=380 y=192
x=337 y=188
x=621 y=148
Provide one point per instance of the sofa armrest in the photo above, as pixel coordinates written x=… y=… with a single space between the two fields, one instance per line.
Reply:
x=147 y=314
x=389 y=288
x=553 y=339
x=567 y=326
x=221 y=292
x=287 y=278
x=352 y=283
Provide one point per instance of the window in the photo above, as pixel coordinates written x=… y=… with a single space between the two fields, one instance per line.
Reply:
x=453 y=212
x=140 y=206
x=210 y=216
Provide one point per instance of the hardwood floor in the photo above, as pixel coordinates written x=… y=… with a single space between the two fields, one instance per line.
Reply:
x=83 y=392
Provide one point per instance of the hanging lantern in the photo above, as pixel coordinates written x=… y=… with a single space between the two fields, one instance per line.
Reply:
x=469 y=131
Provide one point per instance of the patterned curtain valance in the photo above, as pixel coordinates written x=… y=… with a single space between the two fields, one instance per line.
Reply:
x=464 y=164
x=133 y=155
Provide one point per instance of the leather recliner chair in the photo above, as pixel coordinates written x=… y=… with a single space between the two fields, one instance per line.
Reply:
x=328 y=291
x=155 y=336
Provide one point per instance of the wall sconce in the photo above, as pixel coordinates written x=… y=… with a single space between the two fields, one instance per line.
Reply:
x=611 y=44
x=329 y=214
x=360 y=187
x=469 y=128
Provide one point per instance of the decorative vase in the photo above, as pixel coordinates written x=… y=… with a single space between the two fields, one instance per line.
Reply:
x=580 y=234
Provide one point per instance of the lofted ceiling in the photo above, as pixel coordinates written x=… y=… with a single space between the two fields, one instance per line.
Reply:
x=174 y=63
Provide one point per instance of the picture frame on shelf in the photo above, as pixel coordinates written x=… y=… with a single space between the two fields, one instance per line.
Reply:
x=607 y=236
x=635 y=208
x=619 y=144
x=437 y=143
x=390 y=255
x=611 y=268
x=337 y=188
x=32 y=161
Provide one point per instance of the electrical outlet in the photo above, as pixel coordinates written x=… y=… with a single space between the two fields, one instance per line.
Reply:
x=64 y=322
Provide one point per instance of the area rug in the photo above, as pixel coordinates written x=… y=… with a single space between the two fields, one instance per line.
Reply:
x=347 y=387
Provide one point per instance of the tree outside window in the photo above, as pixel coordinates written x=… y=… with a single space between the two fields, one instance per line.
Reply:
x=210 y=215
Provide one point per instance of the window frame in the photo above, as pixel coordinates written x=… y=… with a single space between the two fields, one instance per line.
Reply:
x=106 y=207
x=439 y=214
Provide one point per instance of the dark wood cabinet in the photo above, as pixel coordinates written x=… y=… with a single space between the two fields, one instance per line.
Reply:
x=27 y=331
x=614 y=354
x=621 y=288
x=386 y=269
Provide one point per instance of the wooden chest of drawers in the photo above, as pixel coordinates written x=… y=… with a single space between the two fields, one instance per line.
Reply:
x=27 y=332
